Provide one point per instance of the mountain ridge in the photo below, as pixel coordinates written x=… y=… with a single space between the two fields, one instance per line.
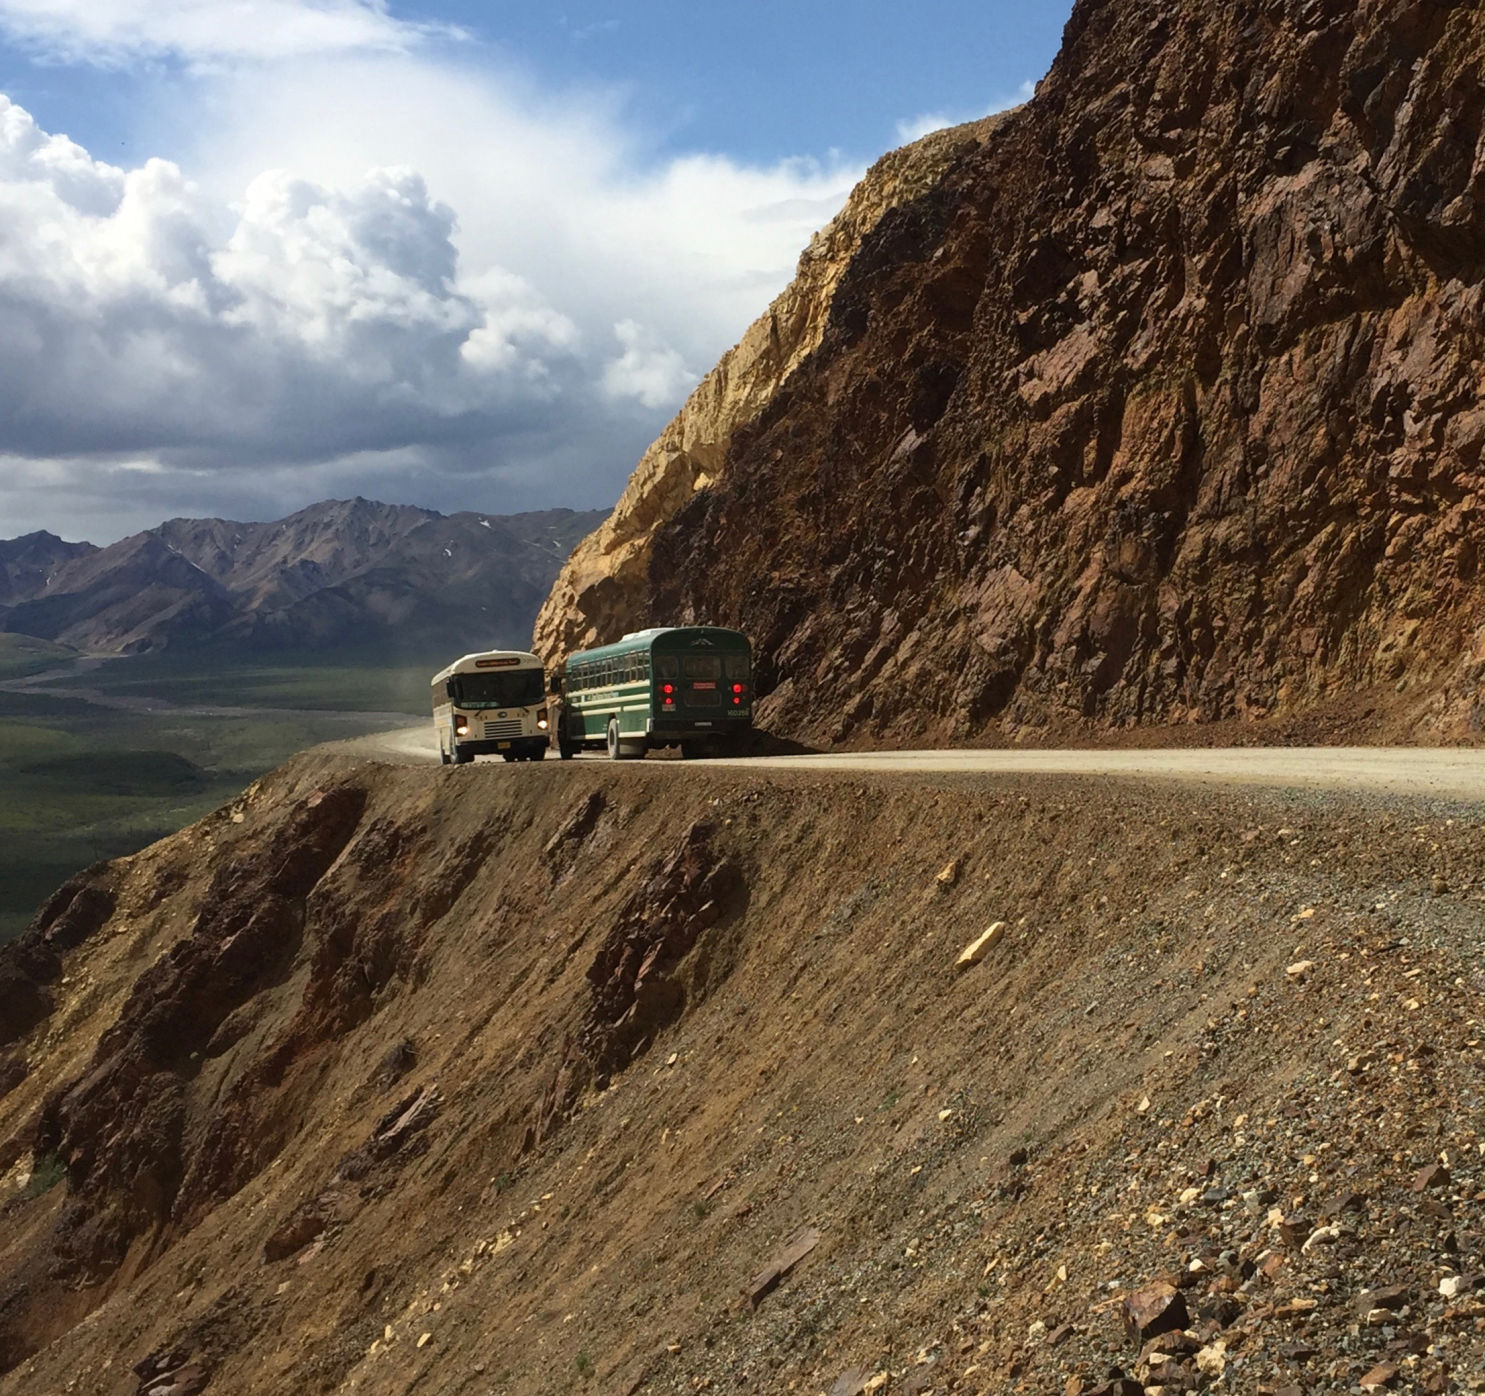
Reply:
x=338 y=572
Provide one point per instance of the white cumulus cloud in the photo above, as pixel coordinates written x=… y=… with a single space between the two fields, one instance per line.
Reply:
x=648 y=370
x=307 y=320
x=381 y=272
x=207 y=31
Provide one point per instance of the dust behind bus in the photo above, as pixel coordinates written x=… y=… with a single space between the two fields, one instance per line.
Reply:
x=491 y=704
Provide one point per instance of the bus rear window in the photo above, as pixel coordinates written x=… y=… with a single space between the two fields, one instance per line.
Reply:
x=703 y=666
x=737 y=667
x=667 y=666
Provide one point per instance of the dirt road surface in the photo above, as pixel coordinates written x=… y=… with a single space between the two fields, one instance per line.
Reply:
x=1440 y=773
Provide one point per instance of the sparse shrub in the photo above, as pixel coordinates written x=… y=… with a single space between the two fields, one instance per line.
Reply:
x=46 y=1172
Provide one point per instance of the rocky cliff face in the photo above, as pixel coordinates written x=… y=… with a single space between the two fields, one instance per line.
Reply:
x=1159 y=403
x=605 y=587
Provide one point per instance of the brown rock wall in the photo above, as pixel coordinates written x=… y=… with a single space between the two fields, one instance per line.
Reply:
x=1160 y=404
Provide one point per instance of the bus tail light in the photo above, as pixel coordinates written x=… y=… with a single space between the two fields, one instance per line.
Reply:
x=737 y=688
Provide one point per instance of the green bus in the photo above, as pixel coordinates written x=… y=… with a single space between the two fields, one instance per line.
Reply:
x=686 y=686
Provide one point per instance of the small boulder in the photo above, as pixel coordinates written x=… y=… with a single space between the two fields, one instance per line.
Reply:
x=977 y=950
x=1434 y=1176
x=1390 y=1297
x=1379 y=1378
x=1155 y=1309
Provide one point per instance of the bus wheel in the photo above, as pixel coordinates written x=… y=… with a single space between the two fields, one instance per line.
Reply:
x=444 y=757
x=462 y=757
x=538 y=755
x=695 y=751
x=614 y=753
x=565 y=749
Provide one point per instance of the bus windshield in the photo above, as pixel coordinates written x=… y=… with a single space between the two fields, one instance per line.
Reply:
x=516 y=688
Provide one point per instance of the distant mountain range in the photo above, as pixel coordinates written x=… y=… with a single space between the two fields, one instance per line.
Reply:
x=340 y=573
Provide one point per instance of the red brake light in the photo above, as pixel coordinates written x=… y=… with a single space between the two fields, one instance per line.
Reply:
x=737 y=688
x=667 y=689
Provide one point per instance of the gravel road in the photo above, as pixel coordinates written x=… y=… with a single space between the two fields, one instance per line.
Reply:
x=1441 y=773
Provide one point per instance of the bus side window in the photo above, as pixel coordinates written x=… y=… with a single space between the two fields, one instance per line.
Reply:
x=737 y=666
x=644 y=665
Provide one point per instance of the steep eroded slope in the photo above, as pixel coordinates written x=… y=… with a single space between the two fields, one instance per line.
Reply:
x=523 y=1080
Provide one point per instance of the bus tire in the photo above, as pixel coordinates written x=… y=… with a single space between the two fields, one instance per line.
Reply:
x=462 y=757
x=695 y=751
x=444 y=757
x=539 y=754
x=565 y=748
x=618 y=748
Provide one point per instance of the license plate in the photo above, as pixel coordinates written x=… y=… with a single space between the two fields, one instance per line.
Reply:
x=502 y=746
x=699 y=684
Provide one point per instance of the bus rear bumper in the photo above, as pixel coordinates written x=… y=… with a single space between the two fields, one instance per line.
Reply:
x=679 y=729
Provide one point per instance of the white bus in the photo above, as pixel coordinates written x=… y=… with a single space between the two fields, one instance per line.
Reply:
x=491 y=703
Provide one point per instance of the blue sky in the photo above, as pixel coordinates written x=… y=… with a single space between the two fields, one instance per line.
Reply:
x=454 y=254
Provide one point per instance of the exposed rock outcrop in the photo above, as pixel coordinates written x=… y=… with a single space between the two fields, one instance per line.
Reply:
x=1160 y=402
x=33 y=962
x=605 y=585
x=644 y=973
